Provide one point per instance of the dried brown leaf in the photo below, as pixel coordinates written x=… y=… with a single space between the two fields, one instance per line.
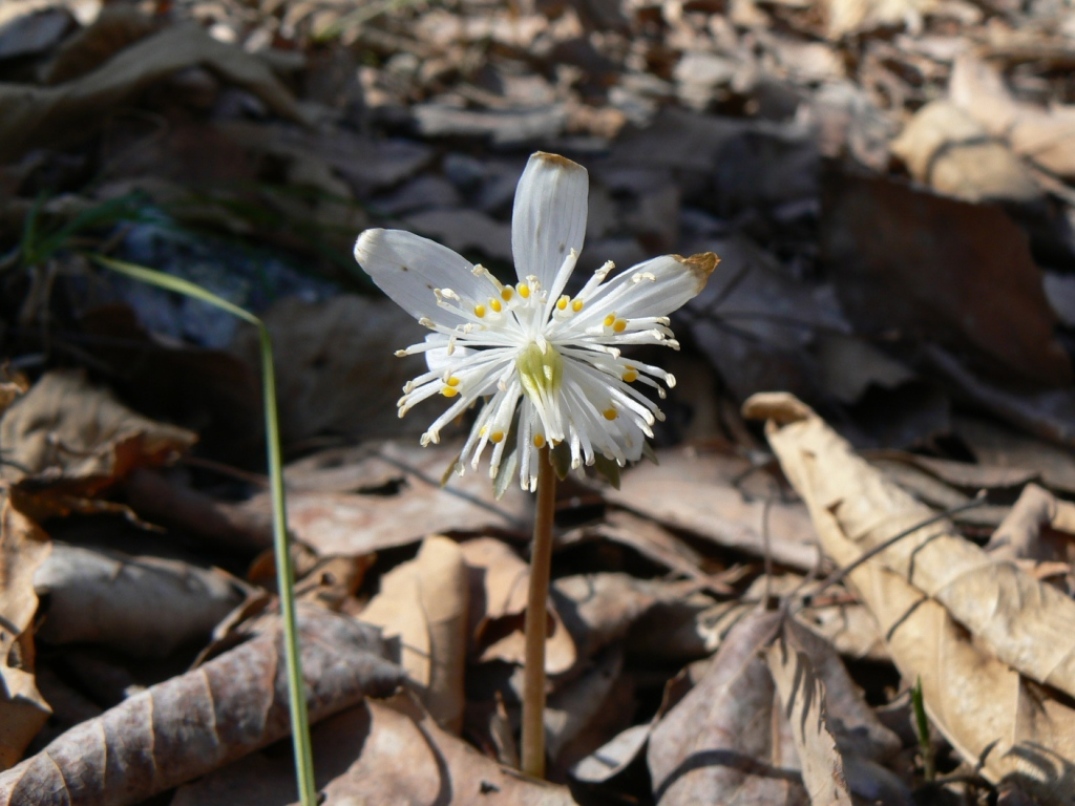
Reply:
x=693 y=490
x=37 y=114
x=23 y=711
x=424 y=602
x=143 y=606
x=1005 y=724
x=721 y=742
x=191 y=724
x=499 y=581
x=379 y=752
x=947 y=149
x=940 y=271
x=803 y=697
x=67 y=440
x=358 y=500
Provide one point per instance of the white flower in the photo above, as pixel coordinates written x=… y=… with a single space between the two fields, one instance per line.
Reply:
x=530 y=347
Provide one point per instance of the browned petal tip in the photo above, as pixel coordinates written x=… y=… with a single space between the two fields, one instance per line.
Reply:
x=700 y=265
x=557 y=160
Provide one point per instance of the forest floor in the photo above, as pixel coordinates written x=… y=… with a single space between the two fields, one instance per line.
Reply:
x=864 y=495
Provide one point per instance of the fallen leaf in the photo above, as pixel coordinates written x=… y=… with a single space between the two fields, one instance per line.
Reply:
x=143 y=606
x=23 y=711
x=424 y=603
x=36 y=114
x=67 y=439
x=337 y=374
x=940 y=271
x=404 y=499
x=499 y=583
x=947 y=149
x=189 y=725
x=720 y=743
x=803 y=697
x=693 y=490
x=378 y=752
x=1005 y=724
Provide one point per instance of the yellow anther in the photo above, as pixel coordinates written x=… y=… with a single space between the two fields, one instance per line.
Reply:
x=496 y=437
x=630 y=374
x=576 y=305
x=620 y=325
x=524 y=291
x=507 y=292
x=494 y=303
x=479 y=311
x=561 y=303
x=452 y=381
x=610 y=413
x=539 y=440
x=449 y=391
x=610 y=319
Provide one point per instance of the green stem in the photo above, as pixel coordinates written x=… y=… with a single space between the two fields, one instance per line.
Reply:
x=533 y=730
x=285 y=582
x=285 y=576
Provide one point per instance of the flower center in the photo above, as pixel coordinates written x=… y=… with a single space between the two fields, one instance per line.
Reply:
x=539 y=372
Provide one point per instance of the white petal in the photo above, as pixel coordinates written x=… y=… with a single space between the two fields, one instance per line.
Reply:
x=654 y=288
x=407 y=267
x=549 y=218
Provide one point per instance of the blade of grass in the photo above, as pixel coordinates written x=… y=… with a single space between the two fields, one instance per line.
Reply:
x=285 y=577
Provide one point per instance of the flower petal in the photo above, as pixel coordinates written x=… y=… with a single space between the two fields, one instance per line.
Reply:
x=654 y=288
x=548 y=219
x=407 y=267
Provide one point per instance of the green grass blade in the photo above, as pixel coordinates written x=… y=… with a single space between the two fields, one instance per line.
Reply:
x=285 y=577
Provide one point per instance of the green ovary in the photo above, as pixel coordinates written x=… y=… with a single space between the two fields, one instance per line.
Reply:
x=540 y=372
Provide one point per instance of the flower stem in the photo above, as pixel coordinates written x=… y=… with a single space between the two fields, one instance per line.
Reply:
x=533 y=756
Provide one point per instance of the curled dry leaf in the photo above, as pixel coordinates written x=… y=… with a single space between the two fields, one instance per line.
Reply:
x=424 y=603
x=143 y=606
x=191 y=724
x=1022 y=533
x=1023 y=621
x=1007 y=726
x=378 y=752
x=720 y=743
x=68 y=440
x=802 y=695
x=37 y=114
x=499 y=581
x=23 y=711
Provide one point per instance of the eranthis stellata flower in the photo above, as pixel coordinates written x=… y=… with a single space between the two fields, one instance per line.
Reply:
x=548 y=364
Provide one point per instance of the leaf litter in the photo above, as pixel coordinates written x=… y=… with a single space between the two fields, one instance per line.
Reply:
x=889 y=186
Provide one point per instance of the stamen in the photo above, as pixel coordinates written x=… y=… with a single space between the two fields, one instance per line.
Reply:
x=507 y=293
x=619 y=325
x=561 y=303
x=539 y=441
x=610 y=413
x=479 y=311
x=610 y=319
x=449 y=391
x=630 y=374
x=494 y=303
x=452 y=380
x=496 y=437
x=524 y=291
x=576 y=305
